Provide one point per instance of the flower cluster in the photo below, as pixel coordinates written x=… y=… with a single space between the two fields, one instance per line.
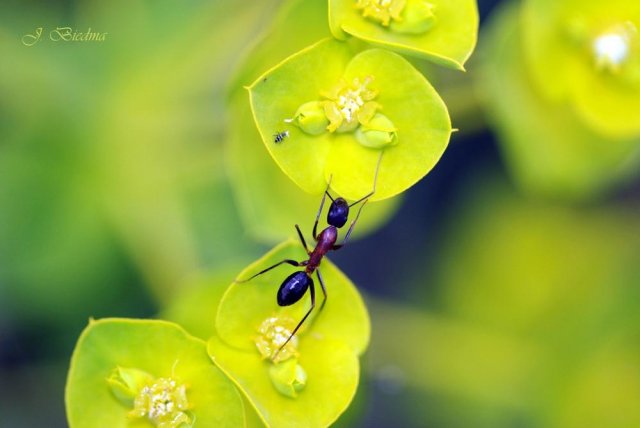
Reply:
x=348 y=107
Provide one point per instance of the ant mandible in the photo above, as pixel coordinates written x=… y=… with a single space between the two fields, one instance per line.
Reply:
x=295 y=286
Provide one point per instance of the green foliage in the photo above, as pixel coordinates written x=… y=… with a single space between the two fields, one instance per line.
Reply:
x=407 y=99
x=111 y=163
x=549 y=147
x=540 y=325
x=587 y=53
x=119 y=163
x=441 y=31
x=123 y=371
x=567 y=311
x=121 y=368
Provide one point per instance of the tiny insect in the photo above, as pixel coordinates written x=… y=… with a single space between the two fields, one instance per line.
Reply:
x=280 y=136
x=295 y=286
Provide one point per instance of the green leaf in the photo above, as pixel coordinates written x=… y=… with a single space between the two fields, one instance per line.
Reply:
x=162 y=350
x=448 y=38
x=332 y=371
x=563 y=269
x=405 y=96
x=246 y=305
x=194 y=309
x=600 y=81
x=299 y=17
x=547 y=147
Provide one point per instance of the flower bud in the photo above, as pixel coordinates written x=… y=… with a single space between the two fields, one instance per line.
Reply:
x=311 y=118
x=125 y=383
x=378 y=133
x=417 y=17
x=288 y=377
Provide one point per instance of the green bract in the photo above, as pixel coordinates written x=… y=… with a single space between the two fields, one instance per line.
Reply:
x=312 y=380
x=270 y=204
x=443 y=31
x=588 y=52
x=353 y=89
x=549 y=149
x=131 y=373
x=332 y=371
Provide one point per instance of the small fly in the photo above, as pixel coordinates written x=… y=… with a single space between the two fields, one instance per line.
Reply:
x=280 y=136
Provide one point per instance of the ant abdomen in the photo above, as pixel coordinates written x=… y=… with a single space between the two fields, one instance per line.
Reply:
x=293 y=288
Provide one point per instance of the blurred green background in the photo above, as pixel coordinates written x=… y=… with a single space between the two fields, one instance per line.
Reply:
x=502 y=294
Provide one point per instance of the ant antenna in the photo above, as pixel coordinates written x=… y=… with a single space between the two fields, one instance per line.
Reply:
x=375 y=175
x=375 y=182
x=328 y=187
x=173 y=368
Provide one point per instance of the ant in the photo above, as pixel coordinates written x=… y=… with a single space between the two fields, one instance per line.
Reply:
x=294 y=287
x=280 y=136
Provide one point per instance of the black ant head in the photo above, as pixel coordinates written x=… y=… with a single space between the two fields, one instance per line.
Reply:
x=338 y=212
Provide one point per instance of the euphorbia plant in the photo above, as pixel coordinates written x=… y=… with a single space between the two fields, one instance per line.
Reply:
x=345 y=108
x=443 y=31
x=356 y=118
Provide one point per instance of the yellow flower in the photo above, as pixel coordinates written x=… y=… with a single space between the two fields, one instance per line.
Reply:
x=382 y=11
x=350 y=105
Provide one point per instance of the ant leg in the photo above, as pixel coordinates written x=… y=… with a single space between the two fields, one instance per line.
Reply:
x=367 y=196
x=289 y=261
x=353 y=223
x=295 y=330
x=324 y=290
x=304 y=243
x=324 y=196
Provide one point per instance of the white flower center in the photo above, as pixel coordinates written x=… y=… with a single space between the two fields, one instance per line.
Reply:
x=350 y=103
x=273 y=334
x=164 y=403
x=613 y=48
